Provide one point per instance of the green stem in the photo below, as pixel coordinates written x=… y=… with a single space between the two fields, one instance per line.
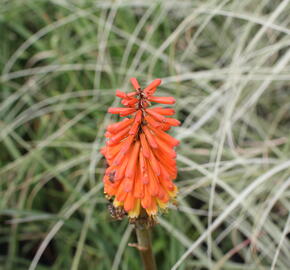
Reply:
x=145 y=248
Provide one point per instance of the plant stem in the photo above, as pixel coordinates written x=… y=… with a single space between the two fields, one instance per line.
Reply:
x=145 y=247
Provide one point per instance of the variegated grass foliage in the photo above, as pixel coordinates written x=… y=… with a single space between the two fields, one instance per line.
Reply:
x=226 y=63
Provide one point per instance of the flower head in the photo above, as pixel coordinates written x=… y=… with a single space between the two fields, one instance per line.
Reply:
x=140 y=154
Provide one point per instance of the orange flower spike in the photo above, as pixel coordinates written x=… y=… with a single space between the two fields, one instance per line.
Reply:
x=140 y=154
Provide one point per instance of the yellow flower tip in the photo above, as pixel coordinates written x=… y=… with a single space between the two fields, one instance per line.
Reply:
x=161 y=204
x=107 y=196
x=174 y=192
x=152 y=211
x=136 y=211
x=117 y=203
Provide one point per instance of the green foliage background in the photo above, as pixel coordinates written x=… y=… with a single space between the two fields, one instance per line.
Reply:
x=226 y=63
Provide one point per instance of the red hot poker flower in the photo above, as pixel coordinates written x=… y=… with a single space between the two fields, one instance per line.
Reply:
x=140 y=154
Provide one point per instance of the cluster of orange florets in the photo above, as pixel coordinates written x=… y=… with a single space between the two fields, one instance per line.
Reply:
x=140 y=154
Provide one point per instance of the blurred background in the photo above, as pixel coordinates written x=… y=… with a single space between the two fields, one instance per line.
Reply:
x=227 y=64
